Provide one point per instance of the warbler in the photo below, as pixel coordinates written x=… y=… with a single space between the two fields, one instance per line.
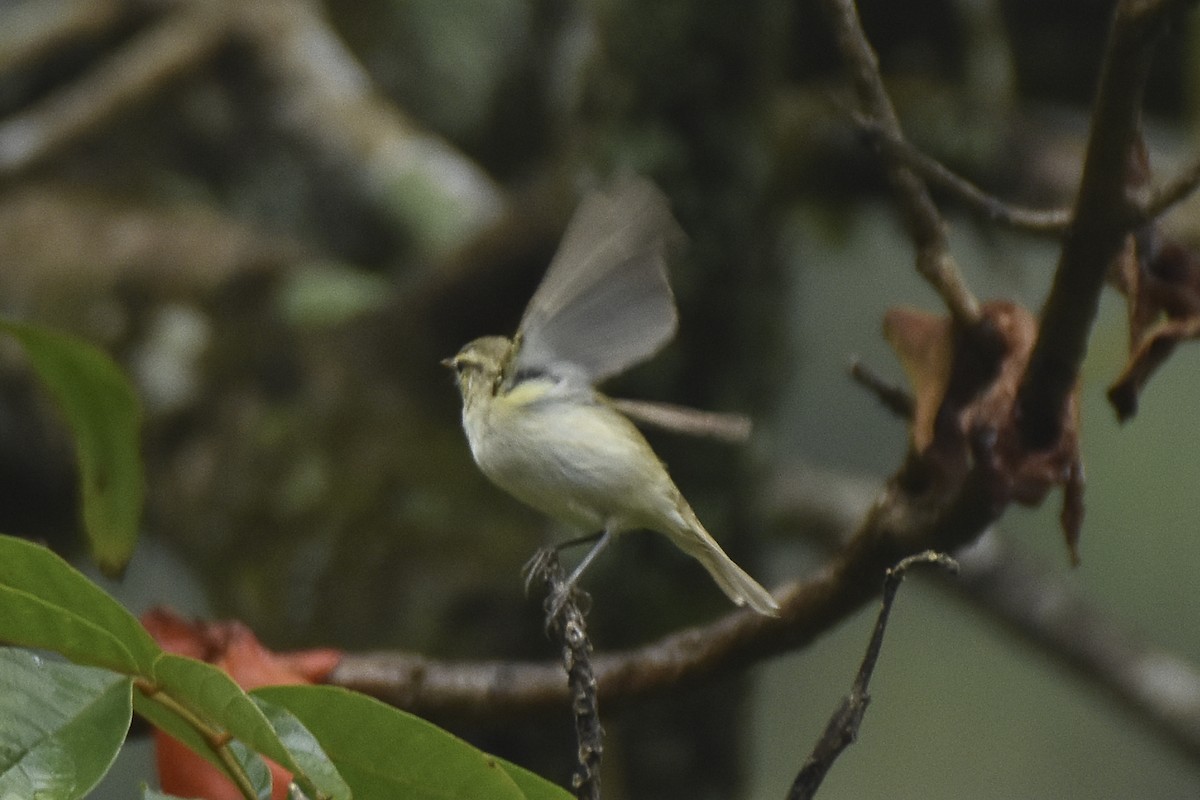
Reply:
x=536 y=425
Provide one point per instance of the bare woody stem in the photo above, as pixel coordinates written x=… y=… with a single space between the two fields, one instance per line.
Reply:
x=1104 y=214
x=924 y=223
x=842 y=728
x=1052 y=221
x=566 y=623
x=1030 y=599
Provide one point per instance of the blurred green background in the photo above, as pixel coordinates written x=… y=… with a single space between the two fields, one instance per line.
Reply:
x=279 y=215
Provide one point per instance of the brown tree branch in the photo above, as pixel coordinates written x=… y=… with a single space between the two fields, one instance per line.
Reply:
x=1045 y=222
x=924 y=223
x=1104 y=214
x=142 y=67
x=898 y=525
x=1158 y=688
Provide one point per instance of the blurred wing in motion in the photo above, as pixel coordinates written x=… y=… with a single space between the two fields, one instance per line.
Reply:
x=605 y=303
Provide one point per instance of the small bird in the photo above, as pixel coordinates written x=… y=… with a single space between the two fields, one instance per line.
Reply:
x=539 y=429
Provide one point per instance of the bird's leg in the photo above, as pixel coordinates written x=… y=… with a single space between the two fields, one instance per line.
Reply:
x=560 y=594
x=602 y=541
x=544 y=563
x=588 y=539
x=537 y=566
x=545 y=559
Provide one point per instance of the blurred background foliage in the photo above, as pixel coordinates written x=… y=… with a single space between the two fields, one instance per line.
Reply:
x=279 y=215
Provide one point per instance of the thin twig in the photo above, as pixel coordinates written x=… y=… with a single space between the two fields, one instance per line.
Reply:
x=924 y=223
x=1104 y=214
x=34 y=31
x=1175 y=191
x=143 y=66
x=567 y=624
x=1048 y=221
x=894 y=398
x=1033 y=601
x=842 y=729
x=325 y=96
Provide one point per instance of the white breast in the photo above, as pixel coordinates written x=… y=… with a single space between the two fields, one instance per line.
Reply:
x=570 y=457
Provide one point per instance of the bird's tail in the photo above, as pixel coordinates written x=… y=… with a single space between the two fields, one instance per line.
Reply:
x=743 y=590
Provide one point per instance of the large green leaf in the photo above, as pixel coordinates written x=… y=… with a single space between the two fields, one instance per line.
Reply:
x=47 y=603
x=61 y=725
x=164 y=717
x=104 y=416
x=319 y=777
x=534 y=786
x=384 y=752
x=254 y=767
x=211 y=694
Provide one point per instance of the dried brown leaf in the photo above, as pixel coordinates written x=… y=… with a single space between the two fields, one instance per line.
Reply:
x=965 y=386
x=1161 y=280
x=1155 y=347
x=923 y=343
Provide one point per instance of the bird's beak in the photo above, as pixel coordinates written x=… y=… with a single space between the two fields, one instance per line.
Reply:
x=447 y=362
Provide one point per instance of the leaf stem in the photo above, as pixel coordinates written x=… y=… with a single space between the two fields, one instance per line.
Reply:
x=215 y=738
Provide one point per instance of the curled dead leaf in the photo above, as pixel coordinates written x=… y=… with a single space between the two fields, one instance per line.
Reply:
x=1160 y=278
x=964 y=386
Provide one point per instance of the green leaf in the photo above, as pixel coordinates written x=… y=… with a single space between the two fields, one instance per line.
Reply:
x=317 y=776
x=104 y=416
x=61 y=725
x=151 y=794
x=534 y=786
x=211 y=694
x=384 y=752
x=49 y=604
x=166 y=720
x=255 y=768
x=164 y=717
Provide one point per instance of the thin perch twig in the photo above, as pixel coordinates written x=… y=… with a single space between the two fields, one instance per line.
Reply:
x=842 y=729
x=567 y=624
